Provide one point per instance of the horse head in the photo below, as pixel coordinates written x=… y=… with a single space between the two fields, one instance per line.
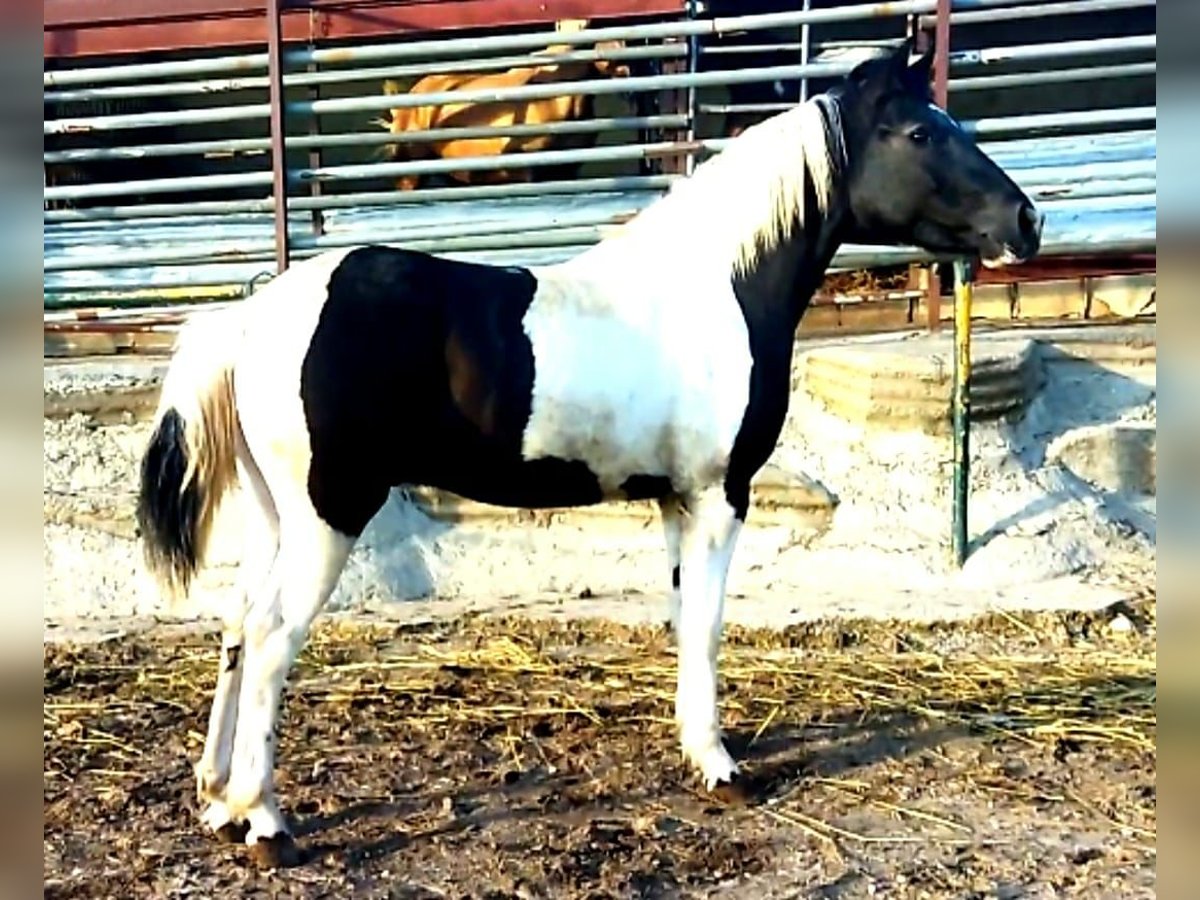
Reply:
x=914 y=175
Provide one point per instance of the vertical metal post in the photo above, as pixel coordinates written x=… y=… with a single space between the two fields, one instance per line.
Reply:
x=805 y=41
x=941 y=58
x=314 y=155
x=961 y=405
x=693 y=63
x=278 y=133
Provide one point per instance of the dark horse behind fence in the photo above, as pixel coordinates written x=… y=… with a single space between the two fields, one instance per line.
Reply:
x=655 y=365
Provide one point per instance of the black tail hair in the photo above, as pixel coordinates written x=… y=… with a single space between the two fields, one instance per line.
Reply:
x=167 y=512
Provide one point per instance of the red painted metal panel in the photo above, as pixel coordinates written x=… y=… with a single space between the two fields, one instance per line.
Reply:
x=1048 y=268
x=75 y=28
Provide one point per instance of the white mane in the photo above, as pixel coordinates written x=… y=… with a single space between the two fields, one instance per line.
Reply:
x=745 y=201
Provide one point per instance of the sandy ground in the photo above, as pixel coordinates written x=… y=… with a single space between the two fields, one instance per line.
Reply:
x=1042 y=537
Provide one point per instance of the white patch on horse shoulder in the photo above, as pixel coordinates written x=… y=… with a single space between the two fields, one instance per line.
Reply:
x=631 y=379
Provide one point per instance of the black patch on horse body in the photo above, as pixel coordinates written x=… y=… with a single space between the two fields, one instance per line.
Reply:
x=419 y=372
x=167 y=516
x=675 y=579
x=646 y=487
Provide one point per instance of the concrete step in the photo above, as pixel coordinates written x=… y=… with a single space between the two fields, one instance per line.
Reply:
x=908 y=384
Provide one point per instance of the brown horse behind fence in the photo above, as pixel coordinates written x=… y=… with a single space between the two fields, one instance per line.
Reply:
x=569 y=107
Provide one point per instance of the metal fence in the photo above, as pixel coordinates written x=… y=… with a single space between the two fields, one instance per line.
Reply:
x=217 y=170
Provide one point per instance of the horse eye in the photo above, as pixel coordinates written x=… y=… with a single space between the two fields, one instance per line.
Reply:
x=919 y=136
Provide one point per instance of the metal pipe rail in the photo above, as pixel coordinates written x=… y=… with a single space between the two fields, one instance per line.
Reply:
x=1122 y=179
x=367 y=139
x=384 y=102
x=454 y=46
x=365 y=171
x=340 y=76
x=625 y=185
x=1018 y=10
x=1064 y=207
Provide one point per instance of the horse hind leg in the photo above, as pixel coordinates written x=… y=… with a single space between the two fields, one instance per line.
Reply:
x=310 y=559
x=261 y=542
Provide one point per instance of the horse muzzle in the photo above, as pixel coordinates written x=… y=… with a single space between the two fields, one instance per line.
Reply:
x=1014 y=243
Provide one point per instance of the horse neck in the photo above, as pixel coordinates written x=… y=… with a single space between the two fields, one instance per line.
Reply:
x=777 y=289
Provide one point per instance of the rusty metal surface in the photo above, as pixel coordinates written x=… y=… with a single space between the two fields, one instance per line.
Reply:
x=279 y=169
x=75 y=28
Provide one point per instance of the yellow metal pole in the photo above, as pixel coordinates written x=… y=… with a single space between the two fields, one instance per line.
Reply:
x=961 y=405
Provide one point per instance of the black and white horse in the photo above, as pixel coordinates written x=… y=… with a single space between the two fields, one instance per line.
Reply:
x=655 y=365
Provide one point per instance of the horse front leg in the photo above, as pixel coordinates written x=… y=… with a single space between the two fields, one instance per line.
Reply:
x=709 y=534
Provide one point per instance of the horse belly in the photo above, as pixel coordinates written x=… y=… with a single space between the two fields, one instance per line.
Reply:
x=636 y=395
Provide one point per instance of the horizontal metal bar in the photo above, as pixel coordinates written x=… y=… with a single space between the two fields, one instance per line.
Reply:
x=744 y=107
x=533 y=159
x=623 y=184
x=377 y=103
x=365 y=139
x=72 y=292
x=1056 y=50
x=1013 y=124
x=338 y=76
x=1048 y=121
x=410 y=237
x=1037 y=10
x=491 y=236
x=868 y=258
x=383 y=102
x=444 y=47
x=745 y=49
x=362 y=171
x=852 y=257
x=158 y=186
x=1052 y=76
x=563 y=227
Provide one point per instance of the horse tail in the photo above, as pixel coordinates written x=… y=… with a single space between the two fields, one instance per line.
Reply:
x=189 y=462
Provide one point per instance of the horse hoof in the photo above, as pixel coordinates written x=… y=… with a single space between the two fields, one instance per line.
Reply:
x=276 y=852
x=232 y=833
x=739 y=791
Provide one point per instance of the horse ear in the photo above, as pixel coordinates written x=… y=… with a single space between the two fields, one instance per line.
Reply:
x=918 y=75
x=898 y=61
x=862 y=72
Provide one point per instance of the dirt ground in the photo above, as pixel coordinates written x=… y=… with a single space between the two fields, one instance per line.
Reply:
x=1012 y=756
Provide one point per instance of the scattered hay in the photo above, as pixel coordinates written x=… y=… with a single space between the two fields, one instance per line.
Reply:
x=864 y=282
x=564 y=730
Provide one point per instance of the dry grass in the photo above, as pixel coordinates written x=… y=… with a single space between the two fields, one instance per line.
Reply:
x=575 y=712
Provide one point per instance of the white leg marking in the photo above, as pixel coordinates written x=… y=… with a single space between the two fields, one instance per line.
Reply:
x=261 y=543
x=710 y=532
x=311 y=556
x=672 y=522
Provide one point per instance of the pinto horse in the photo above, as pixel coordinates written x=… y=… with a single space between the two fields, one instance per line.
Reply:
x=655 y=365
x=500 y=113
